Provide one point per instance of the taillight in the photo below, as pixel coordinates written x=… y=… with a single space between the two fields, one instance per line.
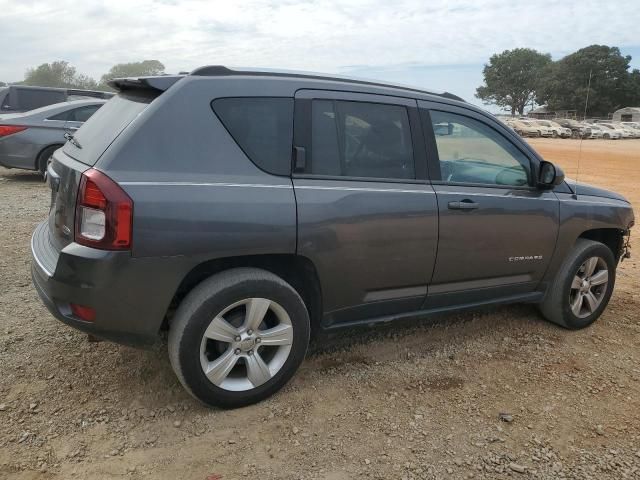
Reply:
x=87 y=314
x=10 y=130
x=104 y=213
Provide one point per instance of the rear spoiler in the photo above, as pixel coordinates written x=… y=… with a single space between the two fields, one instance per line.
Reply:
x=90 y=93
x=159 y=83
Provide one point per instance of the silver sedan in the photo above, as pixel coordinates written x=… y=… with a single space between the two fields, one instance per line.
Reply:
x=28 y=139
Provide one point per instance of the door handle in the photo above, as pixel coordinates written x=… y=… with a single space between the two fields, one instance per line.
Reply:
x=464 y=205
x=299 y=159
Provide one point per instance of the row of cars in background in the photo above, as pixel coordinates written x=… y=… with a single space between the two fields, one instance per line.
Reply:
x=568 y=128
x=35 y=121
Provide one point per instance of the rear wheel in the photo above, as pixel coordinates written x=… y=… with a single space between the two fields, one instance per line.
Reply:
x=44 y=158
x=554 y=134
x=606 y=136
x=238 y=337
x=582 y=287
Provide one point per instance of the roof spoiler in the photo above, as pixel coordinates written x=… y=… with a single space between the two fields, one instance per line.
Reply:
x=159 y=83
x=89 y=93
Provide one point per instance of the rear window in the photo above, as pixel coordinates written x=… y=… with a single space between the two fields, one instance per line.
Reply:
x=262 y=127
x=105 y=125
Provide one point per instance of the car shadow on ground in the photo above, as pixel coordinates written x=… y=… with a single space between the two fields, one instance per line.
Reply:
x=151 y=371
x=428 y=324
x=30 y=177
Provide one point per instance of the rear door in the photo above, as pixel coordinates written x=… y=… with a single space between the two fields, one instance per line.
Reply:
x=497 y=230
x=367 y=218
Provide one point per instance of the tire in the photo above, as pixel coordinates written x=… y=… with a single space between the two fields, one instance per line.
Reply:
x=43 y=159
x=606 y=136
x=221 y=297
x=554 y=134
x=561 y=294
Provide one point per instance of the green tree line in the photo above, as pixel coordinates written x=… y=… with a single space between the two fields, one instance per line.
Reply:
x=62 y=74
x=516 y=78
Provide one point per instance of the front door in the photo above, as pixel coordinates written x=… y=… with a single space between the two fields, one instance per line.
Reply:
x=497 y=231
x=367 y=218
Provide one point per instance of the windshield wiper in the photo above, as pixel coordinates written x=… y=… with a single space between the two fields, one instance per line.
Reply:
x=72 y=140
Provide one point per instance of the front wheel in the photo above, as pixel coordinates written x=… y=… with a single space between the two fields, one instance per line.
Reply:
x=582 y=287
x=238 y=337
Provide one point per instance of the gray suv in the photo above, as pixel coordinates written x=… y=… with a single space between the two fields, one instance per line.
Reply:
x=245 y=211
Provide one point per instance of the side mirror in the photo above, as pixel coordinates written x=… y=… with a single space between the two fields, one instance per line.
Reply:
x=549 y=175
x=441 y=129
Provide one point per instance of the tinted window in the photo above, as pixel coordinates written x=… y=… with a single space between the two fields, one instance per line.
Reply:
x=472 y=152
x=358 y=139
x=82 y=114
x=4 y=97
x=262 y=127
x=62 y=116
x=28 y=99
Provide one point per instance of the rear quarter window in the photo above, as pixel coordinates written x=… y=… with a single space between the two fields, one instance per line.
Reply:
x=262 y=127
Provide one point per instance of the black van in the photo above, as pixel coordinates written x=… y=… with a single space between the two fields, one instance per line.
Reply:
x=22 y=98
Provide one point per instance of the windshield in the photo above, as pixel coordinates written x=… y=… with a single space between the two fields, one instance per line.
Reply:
x=95 y=135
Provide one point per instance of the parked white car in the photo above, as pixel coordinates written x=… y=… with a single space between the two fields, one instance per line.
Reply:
x=624 y=133
x=628 y=128
x=556 y=129
x=542 y=130
x=521 y=128
x=605 y=133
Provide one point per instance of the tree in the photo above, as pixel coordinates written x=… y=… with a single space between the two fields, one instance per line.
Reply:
x=565 y=83
x=511 y=78
x=58 y=74
x=134 y=69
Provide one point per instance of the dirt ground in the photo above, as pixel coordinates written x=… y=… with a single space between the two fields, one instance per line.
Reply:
x=407 y=402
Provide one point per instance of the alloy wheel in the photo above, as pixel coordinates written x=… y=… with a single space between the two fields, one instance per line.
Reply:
x=246 y=344
x=588 y=287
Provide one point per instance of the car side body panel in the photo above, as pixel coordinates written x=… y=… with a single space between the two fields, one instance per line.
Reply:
x=583 y=214
x=21 y=150
x=195 y=192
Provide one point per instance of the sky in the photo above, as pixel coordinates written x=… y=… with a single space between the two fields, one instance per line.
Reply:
x=434 y=44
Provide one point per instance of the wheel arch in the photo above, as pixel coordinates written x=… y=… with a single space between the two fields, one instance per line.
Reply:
x=296 y=270
x=611 y=237
x=42 y=150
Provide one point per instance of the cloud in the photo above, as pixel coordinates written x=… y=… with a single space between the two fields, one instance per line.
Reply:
x=307 y=35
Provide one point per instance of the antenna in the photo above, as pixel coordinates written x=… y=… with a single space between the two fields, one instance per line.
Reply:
x=584 y=117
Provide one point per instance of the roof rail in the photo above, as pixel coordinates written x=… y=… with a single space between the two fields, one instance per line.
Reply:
x=221 y=71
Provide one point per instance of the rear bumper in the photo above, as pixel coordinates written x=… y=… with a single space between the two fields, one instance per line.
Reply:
x=130 y=296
